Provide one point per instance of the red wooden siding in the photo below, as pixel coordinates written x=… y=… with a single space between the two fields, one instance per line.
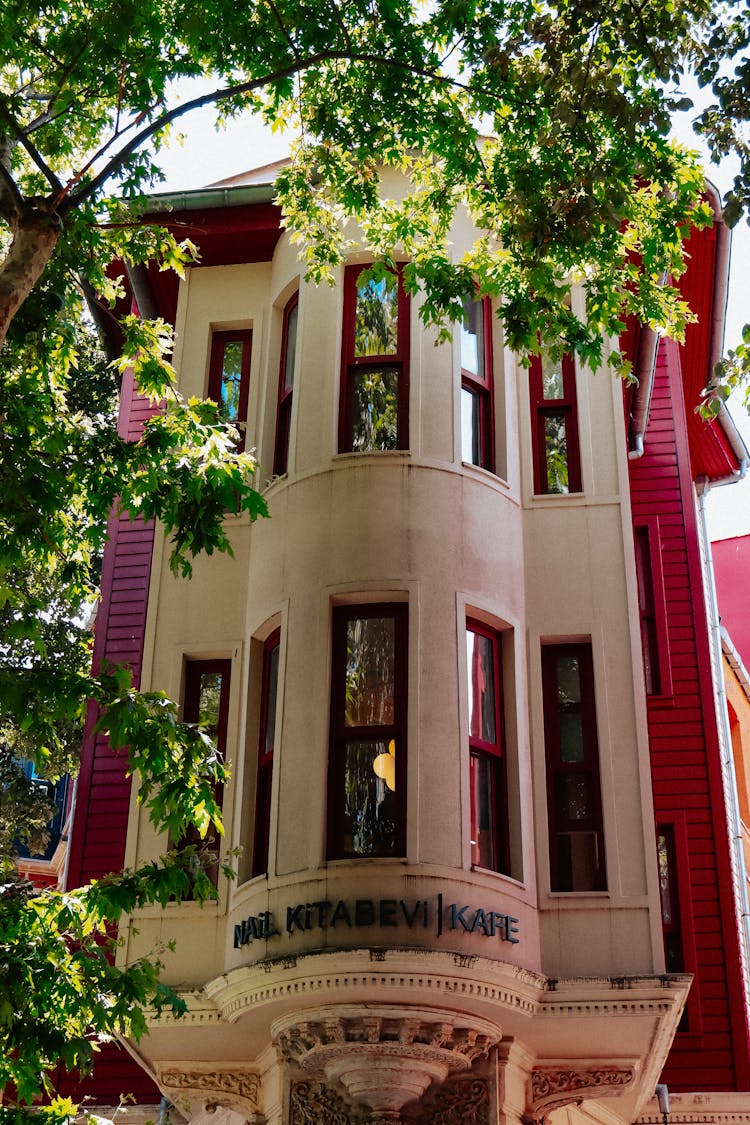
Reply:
x=685 y=761
x=103 y=799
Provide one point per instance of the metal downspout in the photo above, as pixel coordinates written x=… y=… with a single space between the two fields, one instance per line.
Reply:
x=742 y=901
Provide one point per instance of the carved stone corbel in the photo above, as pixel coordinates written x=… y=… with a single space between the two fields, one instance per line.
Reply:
x=553 y=1086
x=236 y=1089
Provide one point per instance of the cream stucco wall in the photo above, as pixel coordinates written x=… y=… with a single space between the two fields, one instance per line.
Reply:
x=450 y=540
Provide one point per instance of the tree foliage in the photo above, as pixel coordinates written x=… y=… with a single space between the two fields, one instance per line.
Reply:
x=547 y=122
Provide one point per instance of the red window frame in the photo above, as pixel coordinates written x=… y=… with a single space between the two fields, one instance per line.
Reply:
x=269 y=689
x=481 y=387
x=491 y=754
x=565 y=408
x=219 y=341
x=194 y=671
x=285 y=395
x=562 y=828
x=340 y=733
x=652 y=608
x=351 y=364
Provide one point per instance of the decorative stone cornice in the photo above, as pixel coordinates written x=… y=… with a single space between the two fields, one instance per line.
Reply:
x=236 y=1087
x=384 y=1057
x=555 y=1086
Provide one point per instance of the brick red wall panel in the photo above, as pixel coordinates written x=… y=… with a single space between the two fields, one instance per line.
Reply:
x=685 y=751
x=103 y=798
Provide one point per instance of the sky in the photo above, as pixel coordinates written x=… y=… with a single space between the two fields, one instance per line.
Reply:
x=208 y=155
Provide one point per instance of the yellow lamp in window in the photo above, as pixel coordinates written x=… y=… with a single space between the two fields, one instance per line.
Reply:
x=384 y=766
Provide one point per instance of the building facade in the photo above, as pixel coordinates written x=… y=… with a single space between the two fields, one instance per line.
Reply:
x=463 y=678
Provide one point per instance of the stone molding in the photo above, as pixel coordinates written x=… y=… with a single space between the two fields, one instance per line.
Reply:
x=464 y=1100
x=557 y=1085
x=234 y=1087
x=385 y=1058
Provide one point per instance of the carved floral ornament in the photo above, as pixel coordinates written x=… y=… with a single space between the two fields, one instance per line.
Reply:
x=233 y=1088
x=384 y=1058
x=555 y=1086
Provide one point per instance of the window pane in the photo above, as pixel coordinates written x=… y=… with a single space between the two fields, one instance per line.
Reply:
x=481 y=780
x=375 y=410
x=376 y=318
x=231 y=378
x=209 y=697
x=369 y=797
x=472 y=339
x=291 y=348
x=556 y=452
x=577 y=861
x=569 y=709
x=552 y=378
x=471 y=450
x=481 y=669
x=270 y=700
x=370 y=671
x=572 y=796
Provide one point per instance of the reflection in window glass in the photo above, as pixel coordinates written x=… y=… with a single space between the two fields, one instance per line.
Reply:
x=556 y=453
x=472 y=338
x=369 y=826
x=376 y=317
x=481 y=780
x=552 y=378
x=471 y=421
x=482 y=704
x=370 y=671
x=375 y=410
x=291 y=347
x=272 y=680
x=209 y=696
x=569 y=703
x=572 y=795
x=231 y=380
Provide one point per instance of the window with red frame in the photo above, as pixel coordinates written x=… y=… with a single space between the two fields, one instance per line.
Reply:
x=367 y=766
x=477 y=430
x=554 y=421
x=206 y=702
x=489 y=840
x=266 y=744
x=286 y=386
x=671 y=917
x=374 y=411
x=652 y=609
x=229 y=376
x=576 y=831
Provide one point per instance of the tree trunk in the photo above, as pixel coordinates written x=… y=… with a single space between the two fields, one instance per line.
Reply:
x=34 y=239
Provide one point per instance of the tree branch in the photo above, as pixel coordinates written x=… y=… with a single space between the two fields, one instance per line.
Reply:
x=277 y=16
x=35 y=156
x=70 y=200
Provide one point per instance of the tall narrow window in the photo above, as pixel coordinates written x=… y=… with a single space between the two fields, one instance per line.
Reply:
x=375 y=363
x=489 y=844
x=652 y=609
x=576 y=833
x=266 y=744
x=367 y=769
x=286 y=386
x=477 y=431
x=554 y=420
x=229 y=376
x=671 y=918
x=207 y=703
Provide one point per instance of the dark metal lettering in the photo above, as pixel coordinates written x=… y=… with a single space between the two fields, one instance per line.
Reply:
x=364 y=912
x=457 y=915
x=340 y=914
x=293 y=918
x=322 y=909
x=409 y=918
x=388 y=907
